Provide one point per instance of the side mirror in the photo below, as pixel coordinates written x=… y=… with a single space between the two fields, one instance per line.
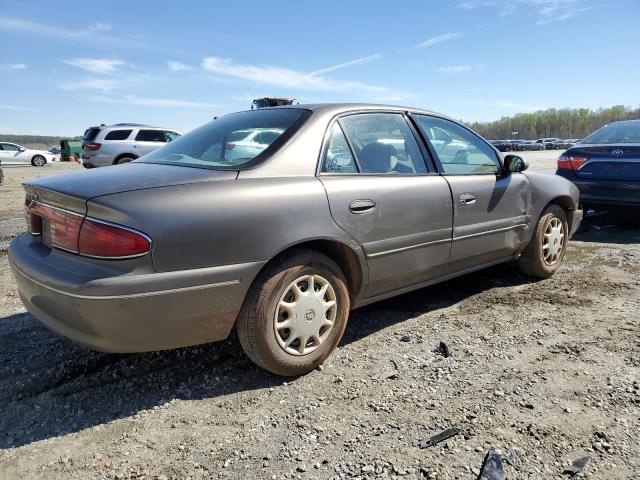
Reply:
x=515 y=163
x=22 y=149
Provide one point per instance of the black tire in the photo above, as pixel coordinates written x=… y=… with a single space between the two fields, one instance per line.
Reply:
x=122 y=160
x=38 y=161
x=533 y=260
x=256 y=323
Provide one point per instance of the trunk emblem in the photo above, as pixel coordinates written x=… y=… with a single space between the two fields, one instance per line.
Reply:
x=617 y=152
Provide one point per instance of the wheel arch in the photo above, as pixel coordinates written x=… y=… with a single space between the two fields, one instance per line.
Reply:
x=124 y=155
x=351 y=264
x=566 y=203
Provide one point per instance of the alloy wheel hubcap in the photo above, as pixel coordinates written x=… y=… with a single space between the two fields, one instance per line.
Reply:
x=305 y=314
x=553 y=241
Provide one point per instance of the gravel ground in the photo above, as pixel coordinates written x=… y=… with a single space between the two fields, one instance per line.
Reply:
x=544 y=372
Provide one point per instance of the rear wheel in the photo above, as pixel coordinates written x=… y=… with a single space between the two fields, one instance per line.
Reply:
x=38 y=161
x=295 y=314
x=545 y=252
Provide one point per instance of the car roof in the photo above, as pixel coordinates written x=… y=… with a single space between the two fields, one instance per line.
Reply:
x=337 y=108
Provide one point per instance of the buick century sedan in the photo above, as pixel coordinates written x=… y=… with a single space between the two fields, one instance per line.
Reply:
x=336 y=207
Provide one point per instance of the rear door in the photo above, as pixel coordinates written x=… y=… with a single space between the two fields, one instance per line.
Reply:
x=491 y=208
x=147 y=141
x=382 y=193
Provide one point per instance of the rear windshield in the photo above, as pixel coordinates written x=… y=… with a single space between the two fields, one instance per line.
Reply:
x=235 y=141
x=623 y=132
x=90 y=134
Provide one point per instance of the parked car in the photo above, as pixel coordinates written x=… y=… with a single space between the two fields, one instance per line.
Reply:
x=530 y=145
x=605 y=166
x=562 y=144
x=14 y=154
x=501 y=145
x=55 y=150
x=121 y=143
x=338 y=211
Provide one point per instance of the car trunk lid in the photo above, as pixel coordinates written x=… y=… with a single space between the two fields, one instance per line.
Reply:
x=71 y=191
x=608 y=162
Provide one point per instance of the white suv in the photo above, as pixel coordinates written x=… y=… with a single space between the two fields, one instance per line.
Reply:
x=121 y=143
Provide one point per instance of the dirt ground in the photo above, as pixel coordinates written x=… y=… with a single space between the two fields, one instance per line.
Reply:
x=544 y=372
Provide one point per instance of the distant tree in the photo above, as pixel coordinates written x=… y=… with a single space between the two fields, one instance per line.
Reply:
x=561 y=123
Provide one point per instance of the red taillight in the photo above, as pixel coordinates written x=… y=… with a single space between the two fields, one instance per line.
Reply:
x=87 y=236
x=93 y=146
x=98 y=239
x=571 y=163
x=64 y=226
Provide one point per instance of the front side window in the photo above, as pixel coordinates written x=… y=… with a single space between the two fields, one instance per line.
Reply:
x=458 y=150
x=233 y=141
x=118 y=135
x=337 y=156
x=383 y=143
x=10 y=147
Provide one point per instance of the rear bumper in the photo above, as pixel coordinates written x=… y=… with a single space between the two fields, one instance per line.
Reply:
x=605 y=193
x=132 y=312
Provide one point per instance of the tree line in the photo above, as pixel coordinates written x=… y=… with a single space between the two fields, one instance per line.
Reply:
x=35 y=141
x=554 y=122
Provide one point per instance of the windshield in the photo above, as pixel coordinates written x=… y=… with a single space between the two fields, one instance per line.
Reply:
x=235 y=141
x=622 y=132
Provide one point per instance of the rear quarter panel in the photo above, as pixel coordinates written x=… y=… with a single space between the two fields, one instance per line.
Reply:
x=225 y=222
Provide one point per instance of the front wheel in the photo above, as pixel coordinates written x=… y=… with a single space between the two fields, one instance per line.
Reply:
x=38 y=161
x=545 y=252
x=295 y=314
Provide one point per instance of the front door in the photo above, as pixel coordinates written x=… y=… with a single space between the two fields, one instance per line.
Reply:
x=381 y=192
x=491 y=214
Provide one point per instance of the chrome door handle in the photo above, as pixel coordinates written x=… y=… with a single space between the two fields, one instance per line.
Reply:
x=137 y=146
x=468 y=198
x=362 y=206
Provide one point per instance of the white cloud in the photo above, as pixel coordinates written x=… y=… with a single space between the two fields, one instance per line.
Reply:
x=12 y=67
x=97 y=34
x=101 y=84
x=154 y=102
x=351 y=63
x=177 y=66
x=445 y=37
x=284 y=77
x=545 y=11
x=95 y=65
x=461 y=68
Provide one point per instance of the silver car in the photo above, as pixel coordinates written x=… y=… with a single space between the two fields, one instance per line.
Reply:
x=121 y=143
x=345 y=206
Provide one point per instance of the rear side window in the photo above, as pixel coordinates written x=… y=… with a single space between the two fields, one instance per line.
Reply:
x=169 y=136
x=227 y=143
x=337 y=156
x=150 y=136
x=90 y=134
x=383 y=143
x=118 y=135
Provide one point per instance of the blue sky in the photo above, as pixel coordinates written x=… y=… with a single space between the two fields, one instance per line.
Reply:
x=68 y=65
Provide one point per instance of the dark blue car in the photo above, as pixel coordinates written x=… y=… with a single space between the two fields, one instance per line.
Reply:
x=605 y=166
